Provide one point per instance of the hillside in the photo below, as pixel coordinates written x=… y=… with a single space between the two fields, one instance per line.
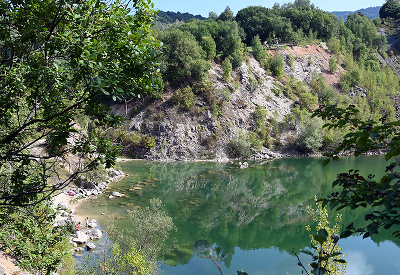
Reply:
x=199 y=133
x=372 y=12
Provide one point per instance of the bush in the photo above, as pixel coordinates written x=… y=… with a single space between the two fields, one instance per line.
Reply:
x=29 y=234
x=185 y=98
x=276 y=65
x=350 y=79
x=308 y=101
x=310 y=135
x=139 y=250
x=333 y=64
x=237 y=60
x=239 y=148
x=227 y=68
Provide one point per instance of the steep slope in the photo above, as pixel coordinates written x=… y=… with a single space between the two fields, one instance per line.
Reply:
x=205 y=133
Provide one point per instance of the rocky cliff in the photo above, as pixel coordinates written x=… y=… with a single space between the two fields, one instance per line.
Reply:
x=202 y=133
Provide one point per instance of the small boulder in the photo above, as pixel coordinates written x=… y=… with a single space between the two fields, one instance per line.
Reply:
x=79 y=249
x=60 y=223
x=83 y=238
x=94 y=234
x=117 y=194
x=90 y=246
x=63 y=206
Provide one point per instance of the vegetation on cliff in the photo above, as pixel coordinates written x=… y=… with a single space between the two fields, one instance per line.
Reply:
x=226 y=84
x=203 y=71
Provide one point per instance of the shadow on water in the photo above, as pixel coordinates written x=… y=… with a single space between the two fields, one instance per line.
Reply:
x=259 y=210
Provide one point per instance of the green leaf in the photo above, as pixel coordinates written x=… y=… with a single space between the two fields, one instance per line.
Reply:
x=323 y=233
x=392 y=153
x=372 y=228
x=319 y=239
x=333 y=204
x=345 y=234
x=340 y=261
x=319 y=271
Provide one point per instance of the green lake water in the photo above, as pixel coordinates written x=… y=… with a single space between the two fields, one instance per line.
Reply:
x=257 y=214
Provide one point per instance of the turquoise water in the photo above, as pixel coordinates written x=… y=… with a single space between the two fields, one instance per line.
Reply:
x=256 y=215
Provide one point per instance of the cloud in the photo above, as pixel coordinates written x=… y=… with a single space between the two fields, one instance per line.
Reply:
x=357 y=264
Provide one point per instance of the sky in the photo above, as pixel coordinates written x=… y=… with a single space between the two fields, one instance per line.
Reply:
x=203 y=7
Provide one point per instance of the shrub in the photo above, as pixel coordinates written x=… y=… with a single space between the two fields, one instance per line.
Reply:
x=276 y=65
x=350 y=79
x=237 y=60
x=227 y=68
x=308 y=101
x=239 y=148
x=185 y=98
x=147 y=142
x=29 y=234
x=333 y=64
x=310 y=135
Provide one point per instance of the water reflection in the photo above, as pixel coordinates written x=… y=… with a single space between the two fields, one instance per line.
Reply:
x=256 y=213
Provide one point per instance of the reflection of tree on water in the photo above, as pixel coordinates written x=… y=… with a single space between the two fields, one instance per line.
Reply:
x=262 y=206
x=259 y=207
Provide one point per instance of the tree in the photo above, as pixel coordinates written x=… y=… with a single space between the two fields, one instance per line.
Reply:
x=226 y=15
x=391 y=8
x=383 y=194
x=257 y=48
x=60 y=60
x=310 y=136
x=139 y=250
x=333 y=64
x=184 y=58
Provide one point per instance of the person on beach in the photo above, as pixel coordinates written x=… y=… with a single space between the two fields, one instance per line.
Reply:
x=87 y=222
x=78 y=230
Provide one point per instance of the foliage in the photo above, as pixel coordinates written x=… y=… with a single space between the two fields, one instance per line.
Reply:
x=189 y=48
x=139 y=250
x=276 y=65
x=30 y=237
x=357 y=191
x=184 y=58
x=150 y=228
x=308 y=101
x=60 y=61
x=291 y=22
x=310 y=136
x=227 y=69
x=130 y=261
x=209 y=47
x=226 y=15
x=350 y=80
x=169 y=17
x=333 y=64
x=130 y=140
x=391 y=8
x=258 y=50
x=326 y=255
x=239 y=147
x=184 y=97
